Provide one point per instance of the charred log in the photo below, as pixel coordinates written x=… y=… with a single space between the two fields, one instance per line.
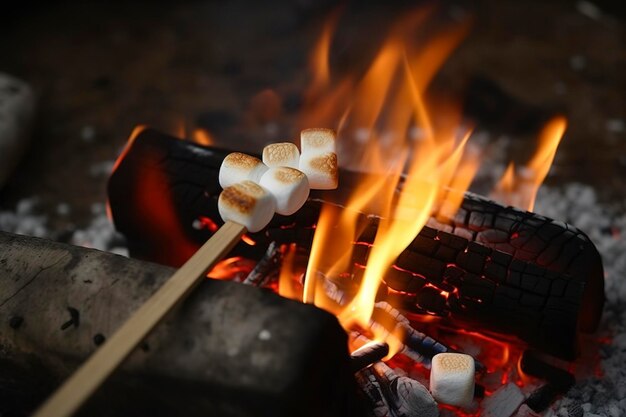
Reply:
x=226 y=342
x=492 y=267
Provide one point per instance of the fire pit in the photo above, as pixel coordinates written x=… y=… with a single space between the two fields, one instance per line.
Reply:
x=402 y=257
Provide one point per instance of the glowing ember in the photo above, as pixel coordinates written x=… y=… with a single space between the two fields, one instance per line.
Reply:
x=235 y=268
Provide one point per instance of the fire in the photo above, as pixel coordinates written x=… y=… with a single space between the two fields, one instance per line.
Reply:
x=519 y=186
x=286 y=284
x=405 y=180
x=203 y=137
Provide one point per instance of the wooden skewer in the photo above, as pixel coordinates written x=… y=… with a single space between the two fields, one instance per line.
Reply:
x=79 y=387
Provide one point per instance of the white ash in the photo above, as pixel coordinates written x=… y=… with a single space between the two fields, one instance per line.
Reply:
x=100 y=233
x=27 y=219
x=24 y=220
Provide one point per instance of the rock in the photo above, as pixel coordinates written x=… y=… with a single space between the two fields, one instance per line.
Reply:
x=17 y=108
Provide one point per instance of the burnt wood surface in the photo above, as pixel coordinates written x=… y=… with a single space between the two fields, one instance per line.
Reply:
x=492 y=267
x=229 y=349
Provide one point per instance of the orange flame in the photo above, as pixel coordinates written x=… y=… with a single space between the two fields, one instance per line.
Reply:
x=286 y=284
x=202 y=137
x=519 y=187
x=377 y=114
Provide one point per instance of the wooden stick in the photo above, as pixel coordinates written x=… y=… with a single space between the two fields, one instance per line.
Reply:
x=79 y=387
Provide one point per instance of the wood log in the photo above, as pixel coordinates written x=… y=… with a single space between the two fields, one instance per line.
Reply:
x=230 y=349
x=390 y=394
x=493 y=268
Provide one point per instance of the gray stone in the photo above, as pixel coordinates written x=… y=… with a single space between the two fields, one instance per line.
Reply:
x=17 y=108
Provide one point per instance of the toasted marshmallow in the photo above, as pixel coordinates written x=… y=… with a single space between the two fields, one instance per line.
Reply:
x=238 y=167
x=284 y=154
x=452 y=378
x=248 y=204
x=289 y=186
x=318 y=141
x=320 y=169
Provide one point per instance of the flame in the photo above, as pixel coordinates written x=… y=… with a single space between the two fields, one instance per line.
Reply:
x=129 y=143
x=286 y=284
x=202 y=137
x=227 y=269
x=404 y=180
x=519 y=187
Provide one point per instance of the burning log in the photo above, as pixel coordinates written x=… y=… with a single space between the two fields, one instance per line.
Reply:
x=390 y=394
x=267 y=268
x=226 y=342
x=415 y=345
x=491 y=267
x=368 y=354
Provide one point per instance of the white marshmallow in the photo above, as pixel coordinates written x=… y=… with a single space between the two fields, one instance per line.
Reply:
x=238 y=167
x=284 y=154
x=248 y=204
x=452 y=378
x=318 y=141
x=289 y=186
x=321 y=170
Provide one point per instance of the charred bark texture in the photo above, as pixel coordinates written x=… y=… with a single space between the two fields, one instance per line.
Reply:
x=496 y=268
x=229 y=349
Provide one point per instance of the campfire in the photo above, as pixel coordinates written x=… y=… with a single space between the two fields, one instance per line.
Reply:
x=392 y=290
x=410 y=263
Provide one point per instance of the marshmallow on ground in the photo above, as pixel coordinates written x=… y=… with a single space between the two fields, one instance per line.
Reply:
x=318 y=141
x=284 y=154
x=238 y=167
x=248 y=204
x=452 y=378
x=289 y=186
x=321 y=170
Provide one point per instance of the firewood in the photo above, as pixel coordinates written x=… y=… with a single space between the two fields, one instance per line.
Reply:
x=226 y=342
x=389 y=394
x=81 y=385
x=367 y=354
x=267 y=268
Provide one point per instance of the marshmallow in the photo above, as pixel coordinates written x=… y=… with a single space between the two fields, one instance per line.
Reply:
x=452 y=378
x=248 y=204
x=289 y=186
x=321 y=170
x=284 y=154
x=318 y=141
x=238 y=167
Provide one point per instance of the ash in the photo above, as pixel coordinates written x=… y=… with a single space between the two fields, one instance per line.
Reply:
x=28 y=219
x=594 y=395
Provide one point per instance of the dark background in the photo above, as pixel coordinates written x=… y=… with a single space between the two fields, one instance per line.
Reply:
x=99 y=69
